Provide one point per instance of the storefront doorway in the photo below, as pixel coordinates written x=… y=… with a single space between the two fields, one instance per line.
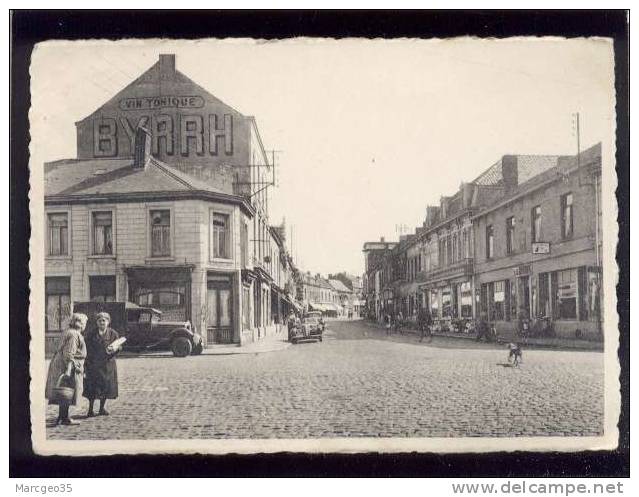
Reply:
x=219 y=310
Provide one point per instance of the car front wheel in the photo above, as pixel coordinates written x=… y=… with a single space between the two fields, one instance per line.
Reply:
x=197 y=350
x=181 y=347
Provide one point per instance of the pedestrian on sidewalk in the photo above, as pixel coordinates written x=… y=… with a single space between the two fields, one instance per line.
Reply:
x=68 y=364
x=387 y=320
x=101 y=380
x=424 y=320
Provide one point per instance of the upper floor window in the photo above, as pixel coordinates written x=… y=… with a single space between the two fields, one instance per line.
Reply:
x=490 y=241
x=219 y=236
x=510 y=235
x=566 y=215
x=58 y=227
x=535 y=217
x=102 y=233
x=160 y=233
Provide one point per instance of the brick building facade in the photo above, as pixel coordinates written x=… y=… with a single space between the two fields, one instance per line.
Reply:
x=521 y=240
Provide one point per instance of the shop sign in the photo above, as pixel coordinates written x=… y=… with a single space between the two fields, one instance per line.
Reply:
x=541 y=248
x=162 y=102
x=522 y=270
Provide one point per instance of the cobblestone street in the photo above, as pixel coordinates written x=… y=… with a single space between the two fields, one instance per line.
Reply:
x=356 y=383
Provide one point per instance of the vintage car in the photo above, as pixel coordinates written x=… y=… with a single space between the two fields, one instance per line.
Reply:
x=309 y=329
x=144 y=329
x=318 y=315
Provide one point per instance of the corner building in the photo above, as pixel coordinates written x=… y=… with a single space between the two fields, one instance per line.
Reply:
x=166 y=206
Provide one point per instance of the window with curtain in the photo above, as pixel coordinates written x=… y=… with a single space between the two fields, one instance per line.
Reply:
x=160 y=233
x=58 y=226
x=219 y=235
x=102 y=233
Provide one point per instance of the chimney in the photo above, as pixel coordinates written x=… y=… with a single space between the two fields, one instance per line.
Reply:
x=142 y=148
x=381 y=239
x=467 y=194
x=509 y=172
x=167 y=66
x=443 y=202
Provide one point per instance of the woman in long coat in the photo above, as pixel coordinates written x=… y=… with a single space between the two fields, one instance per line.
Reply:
x=68 y=363
x=101 y=380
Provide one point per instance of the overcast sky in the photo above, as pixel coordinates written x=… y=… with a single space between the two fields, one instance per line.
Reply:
x=370 y=131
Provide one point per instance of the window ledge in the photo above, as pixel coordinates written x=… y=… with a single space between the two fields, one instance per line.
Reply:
x=59 y=257
x=220 y=259
x=99 y=256
x=160 y=258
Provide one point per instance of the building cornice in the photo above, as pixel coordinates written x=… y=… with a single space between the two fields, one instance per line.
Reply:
x=98 y=198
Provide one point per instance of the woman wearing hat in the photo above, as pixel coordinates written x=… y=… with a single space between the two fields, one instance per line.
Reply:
x=68 y=364
x=101 y=380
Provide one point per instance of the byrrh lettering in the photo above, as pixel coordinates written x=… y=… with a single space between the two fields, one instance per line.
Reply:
x=186 y=135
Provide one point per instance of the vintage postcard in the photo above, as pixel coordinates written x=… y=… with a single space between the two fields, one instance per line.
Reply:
x=319 y=245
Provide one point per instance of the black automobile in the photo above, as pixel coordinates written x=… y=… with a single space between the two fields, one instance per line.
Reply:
x=311 y=328
x=144 y=329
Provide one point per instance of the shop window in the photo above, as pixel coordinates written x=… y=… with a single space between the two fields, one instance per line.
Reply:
x=589 y=293
x=535 y=223
x=58 y=233
x=102 y=226
x=466 y=297
x=499 y=299
x=220 y=236
x=566 y=216
x=58 y=303
x=490 y=240
x=544 y=295
x=169 y=298
x=446 y=302
x=566 y=294
x=434 y=304
x=510 y=235
x=160 y=233
x=102 y=288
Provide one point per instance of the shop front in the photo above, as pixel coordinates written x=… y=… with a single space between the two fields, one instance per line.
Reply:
x=165 y=288
x=562 y=290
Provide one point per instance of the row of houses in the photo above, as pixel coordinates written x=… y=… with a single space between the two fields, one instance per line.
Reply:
x=523 y=239
x=339 y=295
x=166 y=205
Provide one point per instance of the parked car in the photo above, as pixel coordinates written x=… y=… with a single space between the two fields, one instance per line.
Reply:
x=144 y=329
x=310 y=329
x=318 y=315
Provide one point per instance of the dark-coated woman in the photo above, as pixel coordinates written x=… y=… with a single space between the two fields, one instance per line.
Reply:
x=101 y=381
x=68 y=363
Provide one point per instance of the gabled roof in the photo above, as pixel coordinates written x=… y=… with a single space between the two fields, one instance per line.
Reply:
x=180 y=83
x=106 y=176
x=339 y=286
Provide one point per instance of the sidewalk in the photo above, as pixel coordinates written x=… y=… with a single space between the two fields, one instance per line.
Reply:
x=259 y=347
x=551 y=343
